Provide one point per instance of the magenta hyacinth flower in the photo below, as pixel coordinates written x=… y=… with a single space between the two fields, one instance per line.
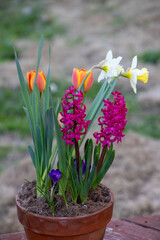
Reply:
x=113 y=121
x=73 y=116
x=55 y=175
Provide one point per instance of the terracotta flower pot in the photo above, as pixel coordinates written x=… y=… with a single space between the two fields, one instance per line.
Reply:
x=88 y=227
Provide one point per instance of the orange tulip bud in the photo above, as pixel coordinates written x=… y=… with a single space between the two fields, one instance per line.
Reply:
x=41 y=80
x=79 y=75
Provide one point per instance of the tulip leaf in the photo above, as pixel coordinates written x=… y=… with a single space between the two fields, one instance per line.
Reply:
x=25 y=93
x=32 y=154
x=61 y=150
x=46 y=92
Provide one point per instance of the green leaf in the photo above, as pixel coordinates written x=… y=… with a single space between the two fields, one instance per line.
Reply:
x=32 y=154
x=38 y=60
x=97 y=151
x=87 y=186
x=35 y=93
x=88 y=157
x=48 y=130
x=46 y=92
x=99 y=105
x=61 y=150
x=25 y=93
x=97 y=99
x=105 y=167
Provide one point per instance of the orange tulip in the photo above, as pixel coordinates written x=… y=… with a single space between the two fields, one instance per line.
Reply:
x=41 y=80
x=79 y=75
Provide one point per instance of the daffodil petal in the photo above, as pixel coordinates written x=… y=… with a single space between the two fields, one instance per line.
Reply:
x=133 y=81
x=112 y=72
x=101 y=76
x=116 y=61
x=134 y=62
x=109 y=56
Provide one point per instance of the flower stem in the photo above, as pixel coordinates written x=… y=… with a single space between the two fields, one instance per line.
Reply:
x=103 y=153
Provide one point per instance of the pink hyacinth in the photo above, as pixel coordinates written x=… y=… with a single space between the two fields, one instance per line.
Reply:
x=73 y=116
x=113 y=121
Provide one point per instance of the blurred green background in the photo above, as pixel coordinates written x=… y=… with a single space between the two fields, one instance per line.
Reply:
x=26 y=20
x=80 y=34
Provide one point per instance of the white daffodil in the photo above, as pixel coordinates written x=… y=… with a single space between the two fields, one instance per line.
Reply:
x=110 y=67
x=135 y=74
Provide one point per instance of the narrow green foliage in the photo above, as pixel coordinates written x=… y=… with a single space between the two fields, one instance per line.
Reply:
x=109 y=157
x=150 y=56
x=41 y=122
x=61 y=151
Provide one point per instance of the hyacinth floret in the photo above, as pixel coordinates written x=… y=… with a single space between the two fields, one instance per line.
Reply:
x=113 y=121
x=73 y=116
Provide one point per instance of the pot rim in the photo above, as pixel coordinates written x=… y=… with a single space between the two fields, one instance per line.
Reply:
x=65 y=218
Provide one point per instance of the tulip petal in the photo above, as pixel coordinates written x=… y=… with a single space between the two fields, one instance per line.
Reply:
x=41 y=80
x=88 y=82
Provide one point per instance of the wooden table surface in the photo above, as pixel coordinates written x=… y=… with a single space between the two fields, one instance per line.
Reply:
x=140 y=228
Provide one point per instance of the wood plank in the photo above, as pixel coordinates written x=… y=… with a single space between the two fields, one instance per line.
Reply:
x=127 y=229
x=146 y=221
x=123 y=230
x=13 y=236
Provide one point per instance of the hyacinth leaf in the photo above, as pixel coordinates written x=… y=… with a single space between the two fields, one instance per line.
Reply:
x=81 y=87
x=74 y=174
x=88 y=157
x=80 y=170
x=105 y=166
x=75 y=184
x=46 y=92
x=89 y=181
x=32 y=154
x=97 y=151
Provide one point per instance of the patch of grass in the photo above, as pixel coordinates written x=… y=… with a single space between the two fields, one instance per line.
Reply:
x=75 y=42
x=150 y=56
x=21 y=19
x=4 y=151
x=141 y=121
x=118 y=21
x=149 y=126
x=12 y=116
